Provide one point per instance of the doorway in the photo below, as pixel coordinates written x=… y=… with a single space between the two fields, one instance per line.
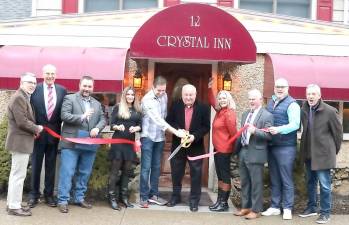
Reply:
x=198 y=75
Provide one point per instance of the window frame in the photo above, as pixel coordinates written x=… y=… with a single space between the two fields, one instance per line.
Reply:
x=274 y=9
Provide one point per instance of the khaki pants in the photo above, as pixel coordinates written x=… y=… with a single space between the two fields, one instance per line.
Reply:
x=16 y=179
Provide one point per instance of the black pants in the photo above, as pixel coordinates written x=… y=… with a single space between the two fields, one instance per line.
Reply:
x=177 y=172
x=118 y=169
x=42 y=149
x=222 y=164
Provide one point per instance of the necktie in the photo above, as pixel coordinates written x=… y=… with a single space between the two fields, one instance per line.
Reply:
x=244 y=134
x=50 y=105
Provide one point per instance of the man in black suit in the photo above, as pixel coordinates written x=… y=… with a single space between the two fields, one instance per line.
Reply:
x=194 y=117
x=252 y=150
x=47 y=103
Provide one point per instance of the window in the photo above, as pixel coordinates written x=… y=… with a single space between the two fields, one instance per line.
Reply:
x=109 y=5
x=299 y=8
x=101 y=5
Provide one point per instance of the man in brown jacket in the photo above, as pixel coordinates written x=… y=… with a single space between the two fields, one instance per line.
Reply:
x=20 y=142
x=321 y=140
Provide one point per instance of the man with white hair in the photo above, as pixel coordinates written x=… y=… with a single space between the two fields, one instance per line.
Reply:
x=320 y=143
x=282 y=149
x=20 y=141
x=47 y=101
x=194 y=117
x=252 y=148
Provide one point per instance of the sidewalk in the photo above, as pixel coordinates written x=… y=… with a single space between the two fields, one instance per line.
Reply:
x=101 y=214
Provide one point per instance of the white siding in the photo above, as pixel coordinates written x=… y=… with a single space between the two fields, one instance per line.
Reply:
x=47 y=8
x=338 y=11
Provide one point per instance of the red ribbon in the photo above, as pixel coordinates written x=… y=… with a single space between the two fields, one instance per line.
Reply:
x=91 y=141
x=231 y=140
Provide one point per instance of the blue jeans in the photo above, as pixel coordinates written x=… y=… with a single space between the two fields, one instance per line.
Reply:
x=312 y=179
x=150 y=167
x=280 y=162
x=81 y=162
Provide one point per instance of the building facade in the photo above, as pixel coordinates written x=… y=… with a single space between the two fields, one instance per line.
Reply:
x=252 y=46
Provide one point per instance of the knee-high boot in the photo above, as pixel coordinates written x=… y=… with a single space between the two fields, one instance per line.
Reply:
x=112 y=189
x=124 y=188
x=223 y=205
x=219 y=195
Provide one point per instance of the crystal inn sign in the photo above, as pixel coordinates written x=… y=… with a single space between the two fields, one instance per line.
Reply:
x=193 y=41
x=188 y=31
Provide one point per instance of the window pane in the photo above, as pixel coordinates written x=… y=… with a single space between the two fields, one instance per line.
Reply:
x=257 y=5
x=139 y=4
x=101 y=5
x=346 y=117
x=300 y=8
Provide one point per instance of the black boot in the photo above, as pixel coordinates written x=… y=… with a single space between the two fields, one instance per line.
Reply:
x=216 y=204
x=124 y=190
x=112 y=201
x=223 y=205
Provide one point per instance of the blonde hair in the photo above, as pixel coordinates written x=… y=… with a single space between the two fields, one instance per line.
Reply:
x=231 y=102
x=124 y=111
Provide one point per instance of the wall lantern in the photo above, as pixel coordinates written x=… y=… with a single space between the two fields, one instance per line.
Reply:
x=227 y=82
x=137 y=79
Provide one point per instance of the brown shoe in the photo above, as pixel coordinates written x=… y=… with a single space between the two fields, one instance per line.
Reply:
x=63 y=208
x=18 y=212
x=242 y=212
x=84 y=204
x=252 y=215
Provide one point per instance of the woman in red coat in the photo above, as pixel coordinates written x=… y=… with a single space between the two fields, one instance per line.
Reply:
x=223 y=128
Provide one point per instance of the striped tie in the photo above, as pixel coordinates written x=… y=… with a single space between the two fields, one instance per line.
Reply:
x=50 y=105
x=244 y=140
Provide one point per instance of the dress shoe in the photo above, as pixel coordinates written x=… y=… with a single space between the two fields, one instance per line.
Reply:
x=84 y=204
x=19 y=212
x=173 y=201
x=242 y=212
x=252 y=215
x=33 y=202
x=50 y=201
x=193 y=207
x=63 y=208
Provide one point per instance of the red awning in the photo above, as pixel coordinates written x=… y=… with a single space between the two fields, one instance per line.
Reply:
x=105 y=65
x=194 y=32
x=330 y=73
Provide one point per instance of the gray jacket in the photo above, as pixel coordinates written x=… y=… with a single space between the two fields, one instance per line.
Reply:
x=72 y=110
x=258 y=144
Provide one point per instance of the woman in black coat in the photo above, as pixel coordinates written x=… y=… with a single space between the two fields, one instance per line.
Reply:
x=125 y=121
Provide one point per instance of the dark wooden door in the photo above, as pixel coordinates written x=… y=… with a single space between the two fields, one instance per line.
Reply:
x=198 y=75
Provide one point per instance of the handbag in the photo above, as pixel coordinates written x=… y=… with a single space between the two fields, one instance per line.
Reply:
x=85 y=147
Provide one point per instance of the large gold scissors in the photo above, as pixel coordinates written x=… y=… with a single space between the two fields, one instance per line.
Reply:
x=184 y=144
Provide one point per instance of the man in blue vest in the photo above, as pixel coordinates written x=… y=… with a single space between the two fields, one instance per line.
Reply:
x=282 y=149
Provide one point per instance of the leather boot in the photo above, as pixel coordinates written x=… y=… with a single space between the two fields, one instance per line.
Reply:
x=124 y=190
x=223 y=205
x=218 y=201
x=112 y=201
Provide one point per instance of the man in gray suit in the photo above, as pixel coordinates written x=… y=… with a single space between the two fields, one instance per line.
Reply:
x=252 y=150
x=82 y=116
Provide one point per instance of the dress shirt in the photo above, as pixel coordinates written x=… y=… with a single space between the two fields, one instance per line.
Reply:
x=45 y=87
x=154 y=113
x=255 y=112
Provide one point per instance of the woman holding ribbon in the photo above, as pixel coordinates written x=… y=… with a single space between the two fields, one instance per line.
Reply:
x=223 y=128
x=125 y=121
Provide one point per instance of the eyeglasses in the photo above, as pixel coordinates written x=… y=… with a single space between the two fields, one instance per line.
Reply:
x=281 y=86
